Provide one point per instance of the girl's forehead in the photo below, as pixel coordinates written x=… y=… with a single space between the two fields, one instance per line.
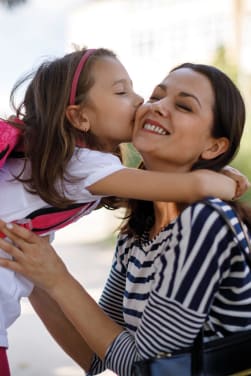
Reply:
x=109 y=69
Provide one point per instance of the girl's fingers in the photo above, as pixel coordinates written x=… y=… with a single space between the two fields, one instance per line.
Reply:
x=242 y=181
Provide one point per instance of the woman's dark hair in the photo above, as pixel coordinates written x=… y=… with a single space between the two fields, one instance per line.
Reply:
x=228 y=121
x=49 y=138
x=228 y=113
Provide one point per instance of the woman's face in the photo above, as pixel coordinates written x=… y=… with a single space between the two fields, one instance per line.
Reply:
x=173 y=129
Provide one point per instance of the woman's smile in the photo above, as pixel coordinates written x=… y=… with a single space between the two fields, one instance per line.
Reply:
x=155 y=127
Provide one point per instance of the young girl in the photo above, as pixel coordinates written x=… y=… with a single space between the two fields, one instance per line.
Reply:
x=75 y=113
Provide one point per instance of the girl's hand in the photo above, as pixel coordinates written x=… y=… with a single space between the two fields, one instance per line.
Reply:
x=211 y=183
x=33 y=257
x=242 y=182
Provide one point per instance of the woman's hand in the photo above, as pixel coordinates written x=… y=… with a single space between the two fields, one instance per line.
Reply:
x=33 y=257
x=36 y=259
x=242 y=182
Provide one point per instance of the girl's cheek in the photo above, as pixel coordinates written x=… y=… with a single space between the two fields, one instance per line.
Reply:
x=142 y=111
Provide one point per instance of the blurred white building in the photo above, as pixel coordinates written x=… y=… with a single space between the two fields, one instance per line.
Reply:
x=152 y=36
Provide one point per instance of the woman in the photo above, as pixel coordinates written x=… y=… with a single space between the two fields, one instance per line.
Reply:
x=174 y=268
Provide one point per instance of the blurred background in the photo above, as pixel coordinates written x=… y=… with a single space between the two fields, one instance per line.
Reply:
x=150 y=37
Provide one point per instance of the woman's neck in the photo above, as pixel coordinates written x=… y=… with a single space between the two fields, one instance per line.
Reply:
x=165 y=213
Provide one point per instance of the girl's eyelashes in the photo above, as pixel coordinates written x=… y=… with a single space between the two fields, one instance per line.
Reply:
x=154 y=98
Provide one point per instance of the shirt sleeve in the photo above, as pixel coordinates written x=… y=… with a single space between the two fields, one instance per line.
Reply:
x=88 y=167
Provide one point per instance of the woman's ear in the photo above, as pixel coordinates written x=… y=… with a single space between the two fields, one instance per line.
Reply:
x=77 y=118
x=217 y=147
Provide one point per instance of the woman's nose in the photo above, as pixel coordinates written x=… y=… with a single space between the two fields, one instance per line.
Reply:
x=160 y=107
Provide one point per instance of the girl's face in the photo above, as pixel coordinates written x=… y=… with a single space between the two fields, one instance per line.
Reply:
x=112 y=104
x=173 y=129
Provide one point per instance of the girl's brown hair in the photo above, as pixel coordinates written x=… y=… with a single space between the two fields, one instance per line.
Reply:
x=49 y=138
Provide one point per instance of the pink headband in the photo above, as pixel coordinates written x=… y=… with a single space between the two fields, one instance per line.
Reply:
x=78 y=70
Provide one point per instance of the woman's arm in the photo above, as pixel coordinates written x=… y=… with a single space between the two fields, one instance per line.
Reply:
x=39 y=262
x=160 y=186
x=61 y=328
x=36 y=259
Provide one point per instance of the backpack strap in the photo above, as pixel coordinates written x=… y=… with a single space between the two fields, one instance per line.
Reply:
x=225 y=215
x=50 y=219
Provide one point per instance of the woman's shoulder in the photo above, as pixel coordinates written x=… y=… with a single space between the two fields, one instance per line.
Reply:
x=207 y=218
x=209 y=206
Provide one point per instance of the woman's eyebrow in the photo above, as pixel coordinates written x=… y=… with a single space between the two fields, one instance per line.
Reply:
x=184 y=94
x=181 y=94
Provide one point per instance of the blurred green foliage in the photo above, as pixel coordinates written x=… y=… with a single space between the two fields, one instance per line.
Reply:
x=131 y=157
x=242 y=80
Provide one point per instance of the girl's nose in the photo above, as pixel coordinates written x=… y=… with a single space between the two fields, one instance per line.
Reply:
x=139 y=100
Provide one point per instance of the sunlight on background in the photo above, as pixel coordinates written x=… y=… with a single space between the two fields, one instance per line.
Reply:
x=150 y=37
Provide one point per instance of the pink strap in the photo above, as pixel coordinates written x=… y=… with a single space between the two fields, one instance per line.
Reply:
x=49 y=219
x=10 y=138
x=77 y=74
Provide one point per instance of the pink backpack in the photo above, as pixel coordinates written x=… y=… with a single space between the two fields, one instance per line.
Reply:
x=10 y=139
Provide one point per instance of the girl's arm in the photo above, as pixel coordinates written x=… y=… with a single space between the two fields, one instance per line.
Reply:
x=161 y=186
x=242 y=182
x=60 y=328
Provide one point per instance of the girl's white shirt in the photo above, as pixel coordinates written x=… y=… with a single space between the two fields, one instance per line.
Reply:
x=17 y=203
x=89 y=166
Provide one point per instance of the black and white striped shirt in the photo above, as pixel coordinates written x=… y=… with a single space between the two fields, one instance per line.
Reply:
x=164 y=289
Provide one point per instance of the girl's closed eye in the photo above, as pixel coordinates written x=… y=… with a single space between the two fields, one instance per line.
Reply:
x=154 y=98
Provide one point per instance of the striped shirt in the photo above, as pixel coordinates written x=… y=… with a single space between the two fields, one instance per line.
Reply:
x=163 y=290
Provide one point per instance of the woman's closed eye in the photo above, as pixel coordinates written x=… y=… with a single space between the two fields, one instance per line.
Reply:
x=184 y=107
